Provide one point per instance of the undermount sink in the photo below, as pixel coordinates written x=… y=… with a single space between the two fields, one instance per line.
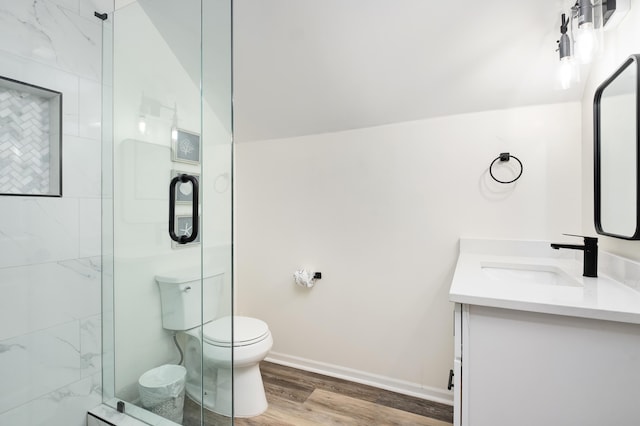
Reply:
x=528 y=274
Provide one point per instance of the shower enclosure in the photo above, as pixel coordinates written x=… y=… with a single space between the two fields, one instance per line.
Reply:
x=166 y=190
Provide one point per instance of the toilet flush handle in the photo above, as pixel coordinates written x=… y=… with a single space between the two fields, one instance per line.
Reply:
x=186 y=288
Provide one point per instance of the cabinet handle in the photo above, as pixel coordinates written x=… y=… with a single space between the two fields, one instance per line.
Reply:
x=450 y=385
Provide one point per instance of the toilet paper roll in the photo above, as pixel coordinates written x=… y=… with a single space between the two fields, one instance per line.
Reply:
x=304 y=278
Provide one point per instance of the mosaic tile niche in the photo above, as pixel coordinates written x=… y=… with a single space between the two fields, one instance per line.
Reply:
x=30 y=139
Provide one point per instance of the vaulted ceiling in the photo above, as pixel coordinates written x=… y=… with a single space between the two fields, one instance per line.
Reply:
x=309 y=66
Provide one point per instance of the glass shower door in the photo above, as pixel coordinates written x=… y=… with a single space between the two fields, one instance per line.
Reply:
x=167 y=212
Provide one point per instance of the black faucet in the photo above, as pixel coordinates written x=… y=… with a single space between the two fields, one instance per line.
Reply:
x=590 y=248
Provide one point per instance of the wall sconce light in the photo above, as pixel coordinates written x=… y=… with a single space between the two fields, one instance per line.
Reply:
x=174 y=124
x=142 y=117
x=151 y=108
x=142 y=124
x=587 y=35
x=567 y=72
x=588 y=18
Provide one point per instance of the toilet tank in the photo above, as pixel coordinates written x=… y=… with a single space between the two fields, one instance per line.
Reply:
x=180 y=295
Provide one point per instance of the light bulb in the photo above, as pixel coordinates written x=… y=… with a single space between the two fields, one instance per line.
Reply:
x=174 y=124
x=565 y=72
x=586 y=43
x=142 y=124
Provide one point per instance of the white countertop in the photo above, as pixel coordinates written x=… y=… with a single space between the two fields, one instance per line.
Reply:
x=613 y=296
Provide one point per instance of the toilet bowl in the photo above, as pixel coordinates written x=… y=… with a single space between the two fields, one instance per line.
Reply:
x=209 y=347
x=252 y=342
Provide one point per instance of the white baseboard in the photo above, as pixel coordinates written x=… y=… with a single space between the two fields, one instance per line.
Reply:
x=406 y=388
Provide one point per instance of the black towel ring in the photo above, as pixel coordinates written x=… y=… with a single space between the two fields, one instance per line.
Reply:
x=505 y=156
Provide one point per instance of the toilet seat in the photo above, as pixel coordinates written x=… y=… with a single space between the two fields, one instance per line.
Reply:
x=246 y=331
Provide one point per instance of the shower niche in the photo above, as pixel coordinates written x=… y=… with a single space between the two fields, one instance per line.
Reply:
x=30 y=139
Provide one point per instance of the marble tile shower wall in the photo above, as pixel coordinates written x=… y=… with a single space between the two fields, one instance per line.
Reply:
x=50 y=355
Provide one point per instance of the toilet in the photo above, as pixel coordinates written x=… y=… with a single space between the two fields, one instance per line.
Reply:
x=208 y=349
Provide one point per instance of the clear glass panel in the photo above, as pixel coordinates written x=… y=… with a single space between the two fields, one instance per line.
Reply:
x=159 y=293
x=217 y=184
x=108 y=376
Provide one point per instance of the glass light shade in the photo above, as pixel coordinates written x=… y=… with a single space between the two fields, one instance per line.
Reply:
x=586 y=43
x=567 y=73
x=142 y=124
x=174 y=124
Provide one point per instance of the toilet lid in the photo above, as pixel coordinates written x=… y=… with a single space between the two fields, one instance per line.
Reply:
x=246 y=331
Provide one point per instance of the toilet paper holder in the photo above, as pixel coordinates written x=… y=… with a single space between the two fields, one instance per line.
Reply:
x=305 y=278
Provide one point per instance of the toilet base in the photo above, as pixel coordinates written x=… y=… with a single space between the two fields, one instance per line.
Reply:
x=249 y=399
x=195 y=394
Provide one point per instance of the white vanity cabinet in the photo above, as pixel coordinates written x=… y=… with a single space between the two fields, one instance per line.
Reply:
x=520 y=368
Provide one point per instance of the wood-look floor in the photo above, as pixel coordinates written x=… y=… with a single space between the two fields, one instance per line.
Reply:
x=301 y=398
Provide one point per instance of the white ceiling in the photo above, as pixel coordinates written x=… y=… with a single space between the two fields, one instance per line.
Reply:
x=315 y=66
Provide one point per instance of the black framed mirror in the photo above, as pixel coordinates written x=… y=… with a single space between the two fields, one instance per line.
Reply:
x=616 y=142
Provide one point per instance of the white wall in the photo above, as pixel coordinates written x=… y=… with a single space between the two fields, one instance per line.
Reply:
x=50 y=354
x=619 y=43
x=379 y=212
